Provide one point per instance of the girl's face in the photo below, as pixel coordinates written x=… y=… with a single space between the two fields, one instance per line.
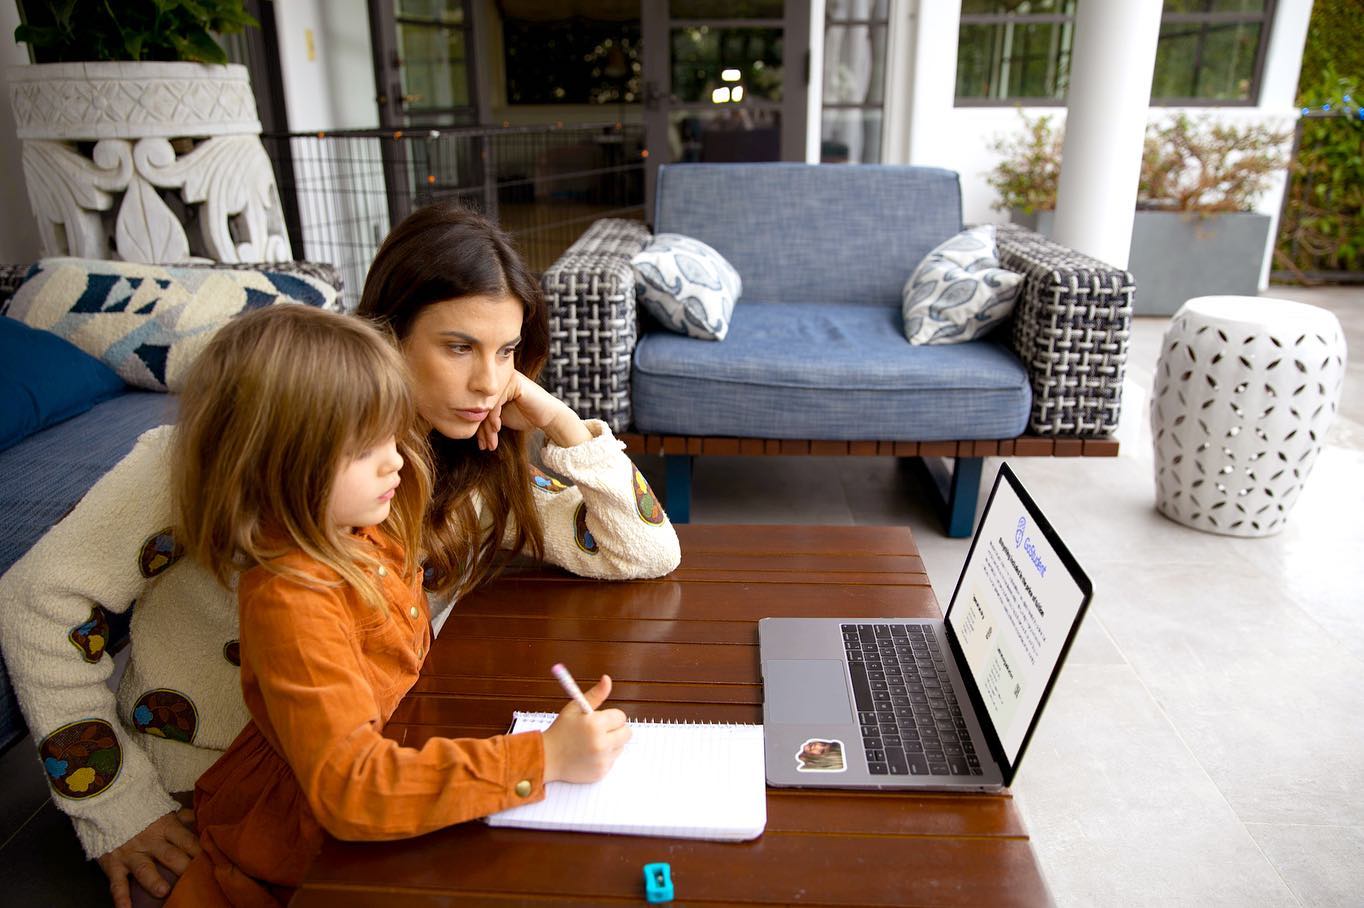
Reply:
x=364 y=486
x=460 y=353
x=815 y=748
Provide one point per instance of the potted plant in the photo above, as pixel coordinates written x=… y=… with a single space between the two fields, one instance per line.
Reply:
x=133 y=126
x=1195 y=232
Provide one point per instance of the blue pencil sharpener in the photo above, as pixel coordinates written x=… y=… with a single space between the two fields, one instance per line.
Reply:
x=658 y=883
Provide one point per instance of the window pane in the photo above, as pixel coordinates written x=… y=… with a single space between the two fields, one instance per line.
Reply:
x=846 y=10
x=702 y=54
x=850 y=136
x=726 y=133
x=854 y=64
x=1206 y=61
x=571 y=62
x=1027 y=7
x=448 y=12
x=435 y=75
x=1014 y=60
x=1214 y=6
x=727 y=9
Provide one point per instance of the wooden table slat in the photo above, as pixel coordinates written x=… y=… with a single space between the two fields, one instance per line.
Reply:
x=885 y=869
x=700 y=600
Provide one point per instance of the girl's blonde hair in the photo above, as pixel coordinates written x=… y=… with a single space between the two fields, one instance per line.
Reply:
x=272 y=408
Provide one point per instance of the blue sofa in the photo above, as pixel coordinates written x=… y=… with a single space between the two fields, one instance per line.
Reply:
x=816 y=353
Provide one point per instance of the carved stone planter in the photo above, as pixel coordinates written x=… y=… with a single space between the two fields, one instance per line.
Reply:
x=121 y=158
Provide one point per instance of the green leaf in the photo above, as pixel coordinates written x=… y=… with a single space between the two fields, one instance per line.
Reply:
x=198 y=45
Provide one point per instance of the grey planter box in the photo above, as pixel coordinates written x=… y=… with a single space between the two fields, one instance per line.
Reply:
x=1176 y=256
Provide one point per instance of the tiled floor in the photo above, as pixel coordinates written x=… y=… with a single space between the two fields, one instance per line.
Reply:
x=1204 y=745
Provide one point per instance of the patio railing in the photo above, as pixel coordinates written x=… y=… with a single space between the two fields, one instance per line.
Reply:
x=343 y=191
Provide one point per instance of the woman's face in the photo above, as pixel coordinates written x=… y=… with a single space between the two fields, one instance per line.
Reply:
x=460 y=353
x=815 y=748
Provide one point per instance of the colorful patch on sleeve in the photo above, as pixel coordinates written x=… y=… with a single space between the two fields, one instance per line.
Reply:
x=646 y=502
x=166 y=714
x=93 y=636
x=81 y=759
x=232 y=652
x=546 y=483
x=581 y=534
x=158 y=553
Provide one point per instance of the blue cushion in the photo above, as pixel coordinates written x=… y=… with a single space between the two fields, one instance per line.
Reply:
x=45 y=380
x=826 y=372
x=813 y=233
x=42 y=477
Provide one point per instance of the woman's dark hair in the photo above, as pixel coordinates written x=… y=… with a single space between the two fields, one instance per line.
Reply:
x=444 y=252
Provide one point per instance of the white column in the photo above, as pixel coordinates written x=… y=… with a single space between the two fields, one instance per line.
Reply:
x=933 y=83
x=1111 y=67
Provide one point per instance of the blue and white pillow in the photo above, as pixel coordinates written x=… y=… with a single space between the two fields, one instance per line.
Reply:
x=959 y=292
x=149 y=322
x=687 y=286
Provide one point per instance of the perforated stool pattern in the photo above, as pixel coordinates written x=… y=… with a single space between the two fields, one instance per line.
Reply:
x=1245 y=390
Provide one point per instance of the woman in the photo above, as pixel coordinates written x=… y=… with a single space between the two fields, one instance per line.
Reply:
x=471 y=324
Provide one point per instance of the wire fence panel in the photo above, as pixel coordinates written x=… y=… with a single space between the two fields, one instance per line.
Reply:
x=343 y=191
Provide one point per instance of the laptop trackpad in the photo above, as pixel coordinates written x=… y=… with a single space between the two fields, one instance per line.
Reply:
x=806 y=692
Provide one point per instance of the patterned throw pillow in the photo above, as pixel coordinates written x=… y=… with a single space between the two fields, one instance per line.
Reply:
x=687 y=286
x=149 y=322
x=959 y=292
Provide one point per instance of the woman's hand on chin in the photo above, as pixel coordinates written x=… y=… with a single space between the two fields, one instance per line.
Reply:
x=524 y=405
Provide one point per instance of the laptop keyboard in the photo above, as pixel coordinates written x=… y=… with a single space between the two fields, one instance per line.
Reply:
x=911 y=721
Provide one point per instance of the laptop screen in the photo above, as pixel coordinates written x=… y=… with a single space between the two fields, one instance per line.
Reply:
x=1014 y=610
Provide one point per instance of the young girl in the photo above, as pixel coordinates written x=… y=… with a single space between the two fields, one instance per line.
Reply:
x=296 y=461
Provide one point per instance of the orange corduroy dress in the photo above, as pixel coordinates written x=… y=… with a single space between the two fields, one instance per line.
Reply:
x=321 y=674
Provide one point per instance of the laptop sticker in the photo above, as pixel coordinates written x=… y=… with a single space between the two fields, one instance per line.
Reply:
x=820 y=755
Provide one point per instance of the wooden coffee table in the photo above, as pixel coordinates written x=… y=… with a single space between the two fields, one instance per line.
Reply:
x=684 y=647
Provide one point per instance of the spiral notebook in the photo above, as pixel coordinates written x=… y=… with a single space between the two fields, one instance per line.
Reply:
x=679 y=780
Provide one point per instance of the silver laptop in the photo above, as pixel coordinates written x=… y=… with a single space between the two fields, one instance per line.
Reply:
x=927 y=703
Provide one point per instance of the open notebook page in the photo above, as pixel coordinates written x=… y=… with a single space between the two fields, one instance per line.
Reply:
x=693 y=781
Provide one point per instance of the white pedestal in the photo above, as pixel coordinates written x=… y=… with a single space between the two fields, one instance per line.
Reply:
x=107 y=145
x=1245 y=390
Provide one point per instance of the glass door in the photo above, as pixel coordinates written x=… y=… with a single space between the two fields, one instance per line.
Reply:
x=725 y=80
x=424 y=62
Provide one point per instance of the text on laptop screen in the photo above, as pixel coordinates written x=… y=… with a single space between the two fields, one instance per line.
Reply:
x=1012 y=614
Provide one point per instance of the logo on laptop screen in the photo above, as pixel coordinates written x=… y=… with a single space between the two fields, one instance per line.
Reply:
x=1020 y=531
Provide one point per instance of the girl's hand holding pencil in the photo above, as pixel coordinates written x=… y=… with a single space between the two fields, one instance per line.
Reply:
x=582 y=745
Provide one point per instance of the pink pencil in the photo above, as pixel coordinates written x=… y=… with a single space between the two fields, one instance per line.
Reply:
x=571 y=686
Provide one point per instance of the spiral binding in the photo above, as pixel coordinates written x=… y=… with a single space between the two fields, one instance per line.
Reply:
x=535 y=717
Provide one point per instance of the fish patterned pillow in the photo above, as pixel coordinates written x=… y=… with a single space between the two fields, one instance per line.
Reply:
x=959 y=292
x=686 y=285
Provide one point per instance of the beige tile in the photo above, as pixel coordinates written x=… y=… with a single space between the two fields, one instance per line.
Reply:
x=1322 y=865
x=1265 y=698
x=1120 y=812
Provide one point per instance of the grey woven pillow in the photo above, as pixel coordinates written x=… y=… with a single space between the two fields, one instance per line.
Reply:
x=959 y=292
x=686 y=285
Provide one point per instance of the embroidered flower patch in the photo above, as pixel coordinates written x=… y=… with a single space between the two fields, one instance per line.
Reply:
x=82 y=758
x=546 y=483
x=581 y=534
x=158 y=553
x=166 y=714
x=93 y=636
x=646 y=502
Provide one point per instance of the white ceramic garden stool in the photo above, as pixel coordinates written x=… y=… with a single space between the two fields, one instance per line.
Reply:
x=1245 y=390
